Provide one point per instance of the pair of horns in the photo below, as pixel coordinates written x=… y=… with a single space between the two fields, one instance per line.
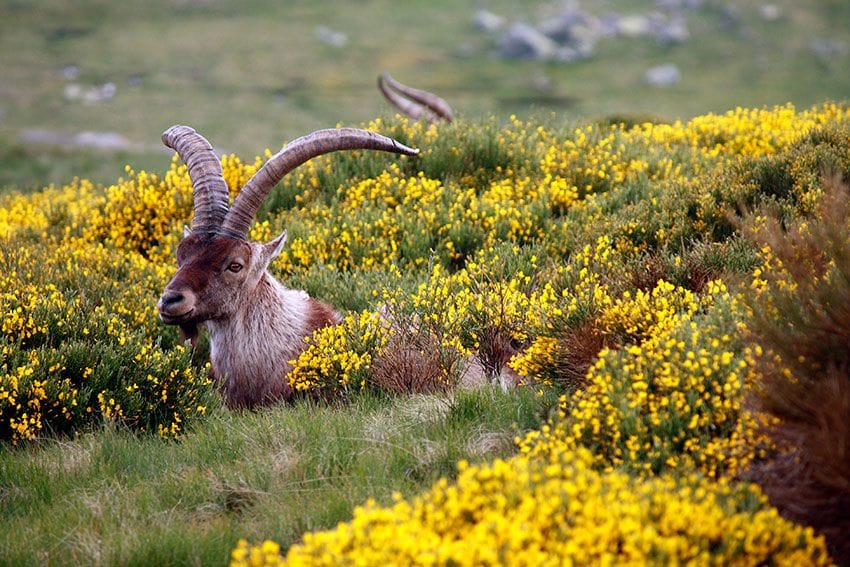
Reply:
x=210 y=190
x=414 y=103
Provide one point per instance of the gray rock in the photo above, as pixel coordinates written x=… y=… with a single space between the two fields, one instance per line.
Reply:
x=89 y=95
x=71 y=72
x=522 y=41
x=102 y=141
x=487 y=21
x=330 y=37
x=43 y=136
x=729 y=19
x=673 y=5
x=97 y=140
x=828 y=48
x=608 y=25
x=566 y=54
x=663 y=75
x=770 y=12
x=634 y=25
x=72 y=92
x=564 y=27
x=671 y=30
x=100 y=93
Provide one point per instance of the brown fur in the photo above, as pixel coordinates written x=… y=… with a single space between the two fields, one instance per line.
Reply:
x=320 y=315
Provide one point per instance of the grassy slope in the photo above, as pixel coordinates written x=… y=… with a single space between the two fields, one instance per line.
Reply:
x=250 y=75
x=117 y=498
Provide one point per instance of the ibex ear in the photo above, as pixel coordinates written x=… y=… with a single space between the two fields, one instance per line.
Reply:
x=186 y=230
x=273 y=248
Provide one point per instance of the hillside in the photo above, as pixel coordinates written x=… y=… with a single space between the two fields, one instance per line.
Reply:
x=672 y=295
x=89 y=86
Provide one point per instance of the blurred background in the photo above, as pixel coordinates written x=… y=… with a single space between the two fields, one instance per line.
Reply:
x=87 y=86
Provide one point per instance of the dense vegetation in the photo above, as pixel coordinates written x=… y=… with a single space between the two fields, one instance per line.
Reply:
x=671 y=283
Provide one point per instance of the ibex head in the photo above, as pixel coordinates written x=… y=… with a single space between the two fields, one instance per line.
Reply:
x=218 y=268
x=215 y=274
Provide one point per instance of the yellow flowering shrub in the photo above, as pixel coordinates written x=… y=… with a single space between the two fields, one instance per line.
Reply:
x=536 y=360
x=142 y=211
x=648 y=314
x=558 y=510
x=338 y=357
x=672 y=399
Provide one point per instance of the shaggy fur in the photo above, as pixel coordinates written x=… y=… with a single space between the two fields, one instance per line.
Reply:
x=250 y=351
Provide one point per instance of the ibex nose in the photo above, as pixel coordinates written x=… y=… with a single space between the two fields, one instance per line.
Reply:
x=170 y=299
x=175 y=305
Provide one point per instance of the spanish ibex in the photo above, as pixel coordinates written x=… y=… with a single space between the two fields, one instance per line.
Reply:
x=414 y=103
x=255 y=324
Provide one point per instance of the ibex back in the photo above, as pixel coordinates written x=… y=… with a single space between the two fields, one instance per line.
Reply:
x=256 y=324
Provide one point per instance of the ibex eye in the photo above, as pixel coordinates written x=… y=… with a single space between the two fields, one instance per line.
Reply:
x=234 y=267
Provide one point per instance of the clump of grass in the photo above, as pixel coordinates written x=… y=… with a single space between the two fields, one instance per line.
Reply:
x=801 y=320
x=411 y=363
x=578 y=347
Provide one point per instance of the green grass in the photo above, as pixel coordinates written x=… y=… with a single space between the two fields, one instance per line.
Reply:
x=252 y=75
x=114 y=497
x=27 y=168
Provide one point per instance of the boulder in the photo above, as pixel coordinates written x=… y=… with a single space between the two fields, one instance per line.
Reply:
x=522 y=41
x=663 y=75
x=671 y=30
x=330 y=37
x=634 y=25
x=564 y=27
x=770 y=12
x=487 y=21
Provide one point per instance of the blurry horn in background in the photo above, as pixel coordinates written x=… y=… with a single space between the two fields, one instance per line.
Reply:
x=414 y=103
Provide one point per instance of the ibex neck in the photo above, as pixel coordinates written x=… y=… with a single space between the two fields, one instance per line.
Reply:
x=250 y=350
x=270 y=308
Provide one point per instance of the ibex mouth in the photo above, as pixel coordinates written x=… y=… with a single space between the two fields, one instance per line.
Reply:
x=170 y=319
x=175 y=306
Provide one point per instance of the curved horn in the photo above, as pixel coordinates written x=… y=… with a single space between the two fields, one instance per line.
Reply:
x=407 y=107
x=210 y=194
x=424 y=103
x=241 y=215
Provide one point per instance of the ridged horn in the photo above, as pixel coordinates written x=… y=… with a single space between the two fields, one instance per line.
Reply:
x=209 y=190
x=241 y=215
x=421 y=104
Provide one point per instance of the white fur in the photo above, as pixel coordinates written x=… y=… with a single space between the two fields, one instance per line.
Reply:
x=250 y=350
